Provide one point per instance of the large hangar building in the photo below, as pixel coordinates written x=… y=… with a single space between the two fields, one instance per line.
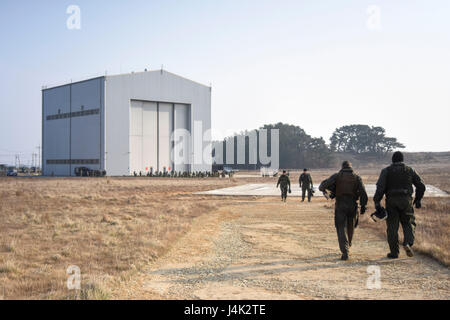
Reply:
x=125 y=123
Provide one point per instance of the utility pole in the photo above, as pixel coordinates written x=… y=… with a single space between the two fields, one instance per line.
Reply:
x=39 y=156
x=34 y=161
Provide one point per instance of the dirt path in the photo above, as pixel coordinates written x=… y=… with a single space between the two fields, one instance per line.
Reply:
x=266 y=249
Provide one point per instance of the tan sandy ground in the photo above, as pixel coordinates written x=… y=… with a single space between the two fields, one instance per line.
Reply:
x=265 y=249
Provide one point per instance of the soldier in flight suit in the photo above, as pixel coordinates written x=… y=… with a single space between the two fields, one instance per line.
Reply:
x=306 y=184
x=396 y=182
x=284 y=183
x=348 y=188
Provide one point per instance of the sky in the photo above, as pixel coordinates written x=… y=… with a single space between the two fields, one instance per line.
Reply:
x=318 y=64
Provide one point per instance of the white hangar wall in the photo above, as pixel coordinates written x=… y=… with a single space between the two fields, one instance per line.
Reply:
x=72 y=127
x=134 y=102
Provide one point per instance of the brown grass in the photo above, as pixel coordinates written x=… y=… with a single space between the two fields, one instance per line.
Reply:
x=109 y=228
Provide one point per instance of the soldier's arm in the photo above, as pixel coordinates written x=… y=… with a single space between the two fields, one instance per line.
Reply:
x=300 y=181
x=420 y=186
x=310 y=180
x=381 y=187
x=279 y=180
x=327 y=183
x=363 y=199
x=289 y=182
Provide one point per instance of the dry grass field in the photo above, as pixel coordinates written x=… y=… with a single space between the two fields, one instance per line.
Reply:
x=113 y=227
x=107 y=227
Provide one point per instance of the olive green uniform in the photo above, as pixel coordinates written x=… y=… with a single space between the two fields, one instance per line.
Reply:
x=306 y=184
x=396 y=182
x=285 y=184
x=348 y=188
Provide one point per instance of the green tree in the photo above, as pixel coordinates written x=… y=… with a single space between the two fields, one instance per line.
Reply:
x=358 y=138
x=297 y=149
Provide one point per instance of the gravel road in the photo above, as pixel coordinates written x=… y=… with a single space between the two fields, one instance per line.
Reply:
x=266 y=249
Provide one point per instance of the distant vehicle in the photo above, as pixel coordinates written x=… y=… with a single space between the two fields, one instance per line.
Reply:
x=228 y=170
x=268 y=172
x=86 y=172
x=12 y=173
x=82 y=172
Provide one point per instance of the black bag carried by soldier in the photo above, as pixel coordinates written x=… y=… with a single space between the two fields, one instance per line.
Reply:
x=379 y=215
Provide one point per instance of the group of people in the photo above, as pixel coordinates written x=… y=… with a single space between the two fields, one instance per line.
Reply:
x=178 y=174
x=395 y=183
x=305 y=182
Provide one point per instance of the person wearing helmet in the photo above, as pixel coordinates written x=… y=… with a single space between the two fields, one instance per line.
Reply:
x=396 y=183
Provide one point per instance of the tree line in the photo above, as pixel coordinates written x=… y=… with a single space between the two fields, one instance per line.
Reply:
x=297 y=149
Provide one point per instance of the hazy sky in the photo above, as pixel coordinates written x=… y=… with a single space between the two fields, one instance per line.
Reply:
x=316 y=64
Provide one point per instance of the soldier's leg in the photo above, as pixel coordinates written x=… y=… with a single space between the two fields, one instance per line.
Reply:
x=351 y=221
x=408 y=222
x=392 y=223
x=309 y=195
x=340 y=221
x=303 y=194
x=283 y=193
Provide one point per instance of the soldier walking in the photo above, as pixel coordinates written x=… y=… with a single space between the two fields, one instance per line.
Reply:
x=348 y=188
x=285 y=184
x=396 y=182
x=306 y=184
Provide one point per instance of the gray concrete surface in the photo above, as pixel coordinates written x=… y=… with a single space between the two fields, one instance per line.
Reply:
x=265 y=189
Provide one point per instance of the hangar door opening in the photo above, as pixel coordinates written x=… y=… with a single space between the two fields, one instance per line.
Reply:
x=153 y=142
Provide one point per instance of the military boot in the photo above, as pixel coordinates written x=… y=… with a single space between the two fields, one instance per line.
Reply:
x=408 y=250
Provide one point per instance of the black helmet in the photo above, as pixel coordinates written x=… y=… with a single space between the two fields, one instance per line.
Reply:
x=379 y=215
x=397 y=157
x=346 y=164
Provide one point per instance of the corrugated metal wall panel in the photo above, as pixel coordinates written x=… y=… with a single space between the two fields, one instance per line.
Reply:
x=165 y=114
x=181 y=138
x=56 y=133
x=72 y=127
x=85 y=130
x=143 y=137
x=150 y=136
